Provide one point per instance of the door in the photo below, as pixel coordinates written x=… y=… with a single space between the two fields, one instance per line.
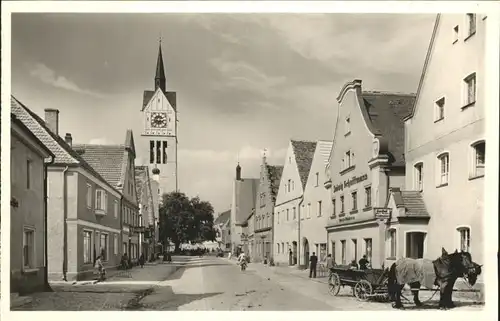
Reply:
x=415 y=245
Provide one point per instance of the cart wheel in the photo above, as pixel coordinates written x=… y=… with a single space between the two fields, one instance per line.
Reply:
x=334 y=284
x=362 y=289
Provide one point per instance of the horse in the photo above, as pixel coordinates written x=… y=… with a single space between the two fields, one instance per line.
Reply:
x=443 y=272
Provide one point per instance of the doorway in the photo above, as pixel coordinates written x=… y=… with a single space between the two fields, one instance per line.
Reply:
x=306 y=252
x=294 y=246
x=415 y=244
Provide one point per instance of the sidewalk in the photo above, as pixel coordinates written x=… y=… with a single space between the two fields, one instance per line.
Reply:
x=112 y=294
x=477 y=297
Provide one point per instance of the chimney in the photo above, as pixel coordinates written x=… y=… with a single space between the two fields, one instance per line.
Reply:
x=68 y=139
x=52 y=120
x=238 y=172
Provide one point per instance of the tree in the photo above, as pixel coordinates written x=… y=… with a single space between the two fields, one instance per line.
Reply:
x=184 y=220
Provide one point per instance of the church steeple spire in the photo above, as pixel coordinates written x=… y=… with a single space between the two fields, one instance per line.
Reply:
x=160 y=80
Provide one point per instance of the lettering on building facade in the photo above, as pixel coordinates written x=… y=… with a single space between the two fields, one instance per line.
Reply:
x=350 y=182
x=346 y=218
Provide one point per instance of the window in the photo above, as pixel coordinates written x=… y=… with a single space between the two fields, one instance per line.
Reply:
x=333 y=251
x=87 y=247
x=342 y=204
x=455 y=34
x=294 y=214
x=278 y=247
x=151 y=151
x=471 y=22
x=278 y=217
x=317 y=179
x=464 y=233
x=319 y=209
x=470 y=89
x=355 y=249
x=115 y=244
x=334 y=207
x=289 y=184
x=444 y=162
x=347 y=162
x=29 y=168
x=309 y=210
x=89 y=196
x=439 y=106
x=29 y=249
x=479 y=159
x=368 y=249
x=347 y=125
x=101 y=200
x=287 y=215
x=419 y=177
x=115 y=209
x=342 y=244
x=158 y=152
x=104 y=246
x=392 y=238
x=368 y=196
x=354 y=201
x=164 y=152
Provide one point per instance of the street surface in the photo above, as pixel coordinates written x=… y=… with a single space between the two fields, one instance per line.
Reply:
x=209 y=283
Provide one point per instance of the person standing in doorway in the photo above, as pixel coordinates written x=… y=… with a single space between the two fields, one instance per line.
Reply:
x=141 y=260
x=313 y=263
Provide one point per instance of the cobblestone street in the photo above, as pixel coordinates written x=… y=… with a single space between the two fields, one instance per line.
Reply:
x=208 y=283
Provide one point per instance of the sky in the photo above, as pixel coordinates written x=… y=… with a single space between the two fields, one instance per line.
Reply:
x=244 y=82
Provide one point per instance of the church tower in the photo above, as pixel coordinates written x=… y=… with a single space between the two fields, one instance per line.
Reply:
x=158 y=145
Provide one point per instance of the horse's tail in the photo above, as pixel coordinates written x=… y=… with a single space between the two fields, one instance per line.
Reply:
x=392 y=281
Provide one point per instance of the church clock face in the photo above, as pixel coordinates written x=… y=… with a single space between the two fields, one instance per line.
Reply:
x=159 y=120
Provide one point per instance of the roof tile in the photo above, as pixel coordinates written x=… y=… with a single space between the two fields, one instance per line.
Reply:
x=304 y=153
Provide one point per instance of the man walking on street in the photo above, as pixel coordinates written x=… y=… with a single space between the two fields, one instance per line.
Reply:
x=312 y=267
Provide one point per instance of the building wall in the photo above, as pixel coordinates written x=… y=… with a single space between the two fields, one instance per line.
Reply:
x=263 y=218
x=462 y=126
x=28 y=215
x=313 y=224
x=159 y=103
x=79 y=215
x=286 y=230
x=244 y=191
x=359 y=223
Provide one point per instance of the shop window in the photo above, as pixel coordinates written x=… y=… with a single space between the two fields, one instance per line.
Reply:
x=343 y=249
x=368 y=249
x=87 y=247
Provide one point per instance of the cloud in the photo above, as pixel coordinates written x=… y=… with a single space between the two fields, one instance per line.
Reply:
x=100 y=141
x=242 y=75
x=48 y=76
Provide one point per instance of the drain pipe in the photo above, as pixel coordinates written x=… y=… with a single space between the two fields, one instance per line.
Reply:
x=65 y=227
x=45 y=222
x=298 y=230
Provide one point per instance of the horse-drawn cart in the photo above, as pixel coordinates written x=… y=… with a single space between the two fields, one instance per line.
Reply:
x=366 y=284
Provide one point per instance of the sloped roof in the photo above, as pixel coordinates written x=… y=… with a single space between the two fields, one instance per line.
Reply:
x=325 y=147
x=412 y=201
x=148 y=94
x=274 y=175
x=64 y=154
x=304 y=153
x=223 y=217
x=107 y=160
x=141 y=180
x=386 y=112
